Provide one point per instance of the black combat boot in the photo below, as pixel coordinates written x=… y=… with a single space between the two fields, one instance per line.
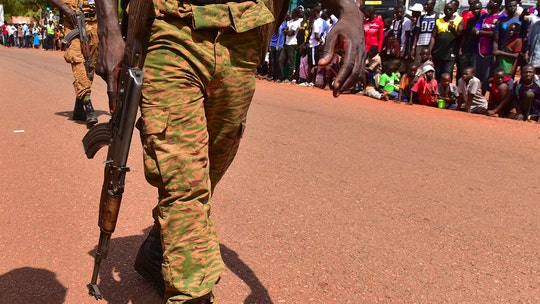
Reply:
x=91 y=118
x=78 y=111
x=149 y=259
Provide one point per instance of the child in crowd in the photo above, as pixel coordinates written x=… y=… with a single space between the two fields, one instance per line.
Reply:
x=373 y=63
x=500 y=93
x=426 y=87
x=303 y=72
x=406 y=83
x=389 y=82
x=448 y=92
x=470 y=93
x=507 y=55
x=424 y=60
x=526 y=95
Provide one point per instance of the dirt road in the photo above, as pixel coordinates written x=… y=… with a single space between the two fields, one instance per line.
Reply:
x=347 y=200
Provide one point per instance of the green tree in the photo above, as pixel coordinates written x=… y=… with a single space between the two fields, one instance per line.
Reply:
x=30 y=8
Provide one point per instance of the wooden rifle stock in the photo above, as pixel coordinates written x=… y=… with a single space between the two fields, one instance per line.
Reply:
x=117 y=133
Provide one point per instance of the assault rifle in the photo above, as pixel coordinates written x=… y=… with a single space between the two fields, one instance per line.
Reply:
x=80 y=30
x=117 y=134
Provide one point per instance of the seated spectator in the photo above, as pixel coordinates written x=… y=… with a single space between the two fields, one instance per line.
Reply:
x=389 y=81
x=406 y=83
x=509 y=51
x=373 y=63
x=500 y=93
x=526 y=95
x=470 y=93
x=448 y=92
x=373 y=92
x=426 y=88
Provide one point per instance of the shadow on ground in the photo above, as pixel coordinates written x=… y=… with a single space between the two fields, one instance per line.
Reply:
x=259 y=293
x=119 y=283
x=31 y=285
x=103 y=116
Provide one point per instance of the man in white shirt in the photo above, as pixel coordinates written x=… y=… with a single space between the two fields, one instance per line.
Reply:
x=315 y=41
x=400 y=30
x=286 y=57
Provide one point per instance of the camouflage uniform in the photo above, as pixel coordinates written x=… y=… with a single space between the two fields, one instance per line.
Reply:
x=199 y=82
x=73 y=55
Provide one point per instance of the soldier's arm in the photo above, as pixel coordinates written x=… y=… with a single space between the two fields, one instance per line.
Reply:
x=70 y=13
x=347 y=34
x=111 y=46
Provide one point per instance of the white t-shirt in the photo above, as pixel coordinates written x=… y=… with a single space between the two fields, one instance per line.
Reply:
x=316 y=28
x=405 y=27
x=473 y=87
x=293 y=25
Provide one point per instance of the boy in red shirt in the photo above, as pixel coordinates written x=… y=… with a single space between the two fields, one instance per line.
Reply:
x=426 y=87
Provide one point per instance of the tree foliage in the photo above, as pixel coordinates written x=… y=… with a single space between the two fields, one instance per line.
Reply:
x=30 y=8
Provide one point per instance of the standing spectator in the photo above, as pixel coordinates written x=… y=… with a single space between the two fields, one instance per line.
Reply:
x=526 y=95
x=501 y=33
x=49 y=40
x=444 y=41
x=315 y=40
x=5 y=34
x=28 y=36
x=12 y=33
x=373 y=29
x=20 y=36
x=426 y=87
x=533 y=46
x=424 y=30
x=416 y=11
x=508 y=53
x=276 y=44
x=485 y=27
x=303 y=70
x=25 y=35
x=470 y=93
x=398 y=38
x=469 y=41
x=300 y=40
x=500 y=93
x=36 y=33
x=287 y=57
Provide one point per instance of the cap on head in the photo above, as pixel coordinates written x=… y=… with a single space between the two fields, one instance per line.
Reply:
x=427 y=68
x=417 y=7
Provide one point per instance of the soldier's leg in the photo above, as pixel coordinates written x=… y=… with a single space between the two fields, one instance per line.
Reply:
x=178 y=65
x=229 y=96
x=81 y=83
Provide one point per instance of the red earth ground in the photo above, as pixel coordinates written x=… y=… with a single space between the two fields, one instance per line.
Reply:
x=348 y=200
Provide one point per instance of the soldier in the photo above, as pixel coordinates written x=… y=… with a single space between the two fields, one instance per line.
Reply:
x=198 y=85
x=83 y=110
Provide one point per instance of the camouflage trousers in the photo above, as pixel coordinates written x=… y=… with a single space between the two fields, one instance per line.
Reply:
x=81 y=83
x=197 y=89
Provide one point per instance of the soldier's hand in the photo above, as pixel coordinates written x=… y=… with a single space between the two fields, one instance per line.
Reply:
x=348 y=35
x=110 y=55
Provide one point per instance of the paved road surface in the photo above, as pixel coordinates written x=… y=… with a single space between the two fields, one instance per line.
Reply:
x=329 y=201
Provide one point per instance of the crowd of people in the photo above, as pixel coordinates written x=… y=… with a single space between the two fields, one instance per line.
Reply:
x=482 y=60
x=46 y=36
